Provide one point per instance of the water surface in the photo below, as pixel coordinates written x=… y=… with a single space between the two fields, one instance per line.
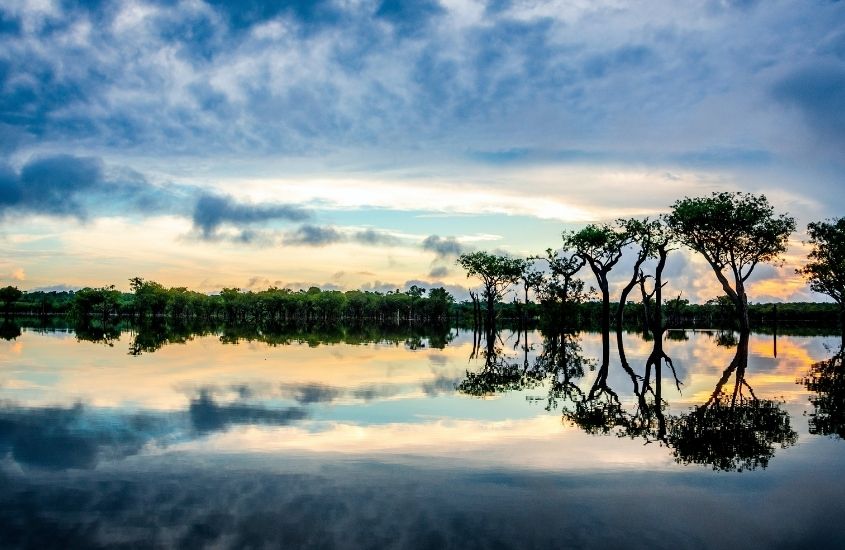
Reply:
x=412 y=439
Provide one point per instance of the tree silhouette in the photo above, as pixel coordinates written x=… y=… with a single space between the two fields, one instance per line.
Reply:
x=9 y=295
x=646 y=234
x=600 y=246
x=734 y=232
x=559 y=289
x=826 y=269
x=497 y=274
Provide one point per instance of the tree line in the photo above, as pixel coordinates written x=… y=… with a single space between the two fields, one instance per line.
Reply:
x=733 y=231
x=151 y=300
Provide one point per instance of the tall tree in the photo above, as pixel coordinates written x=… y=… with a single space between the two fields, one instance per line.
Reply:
x=600 y=246
x=826 y=269
x=645 y=235
x=559 y=287
x=734 y=232
x=497 y=274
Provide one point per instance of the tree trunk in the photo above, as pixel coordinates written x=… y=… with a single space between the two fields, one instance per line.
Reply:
x=623 y=299
x=605 y=320
x=742 y=310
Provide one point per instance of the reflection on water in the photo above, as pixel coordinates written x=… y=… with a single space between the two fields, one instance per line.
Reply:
x=826 y=381
x=160 y=435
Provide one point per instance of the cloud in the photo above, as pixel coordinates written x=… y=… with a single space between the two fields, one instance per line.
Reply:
x=818 y=92
x=50 y=185
x=212 y=211
x=208 y=78
x=372 y=236
x=440 y=271
x=442 y=247
x=206 y=415
x=57 y=438
x=79 y=187
x=313 y=235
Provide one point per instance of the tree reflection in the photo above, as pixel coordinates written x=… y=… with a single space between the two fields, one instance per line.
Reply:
x=733 y=430
x=500 y=373
x=106 y=333
x=826 y=380
x=9 y=330
x=563 y=365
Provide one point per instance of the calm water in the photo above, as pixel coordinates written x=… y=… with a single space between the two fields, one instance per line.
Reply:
x=351 y=440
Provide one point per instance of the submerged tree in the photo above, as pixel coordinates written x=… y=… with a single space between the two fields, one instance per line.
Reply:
x=826 y=269
x=734 y=232
x=497 y=274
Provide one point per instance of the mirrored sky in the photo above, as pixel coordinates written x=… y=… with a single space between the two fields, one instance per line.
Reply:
x=380 y=400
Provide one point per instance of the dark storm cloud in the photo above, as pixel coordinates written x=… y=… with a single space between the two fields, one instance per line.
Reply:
x=50 y=185
x=212 y=211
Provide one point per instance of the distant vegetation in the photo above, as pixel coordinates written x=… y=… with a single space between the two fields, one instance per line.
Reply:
x=151 y=300
x=733 y=232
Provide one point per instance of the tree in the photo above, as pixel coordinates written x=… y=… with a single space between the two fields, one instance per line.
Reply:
x=497 y=274
x=734 y=232
x=648 y=235
x=826 y=269
x=559 y=289
x=9 y=295
x=103 y=301
x=600 y=246
x=150 y=297
x=439 y=303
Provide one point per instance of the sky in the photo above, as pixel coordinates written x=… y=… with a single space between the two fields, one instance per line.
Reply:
x=366 y=143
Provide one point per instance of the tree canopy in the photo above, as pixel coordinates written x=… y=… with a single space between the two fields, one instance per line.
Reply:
x=826 y=269
x=9 y=295
x=734 y=232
